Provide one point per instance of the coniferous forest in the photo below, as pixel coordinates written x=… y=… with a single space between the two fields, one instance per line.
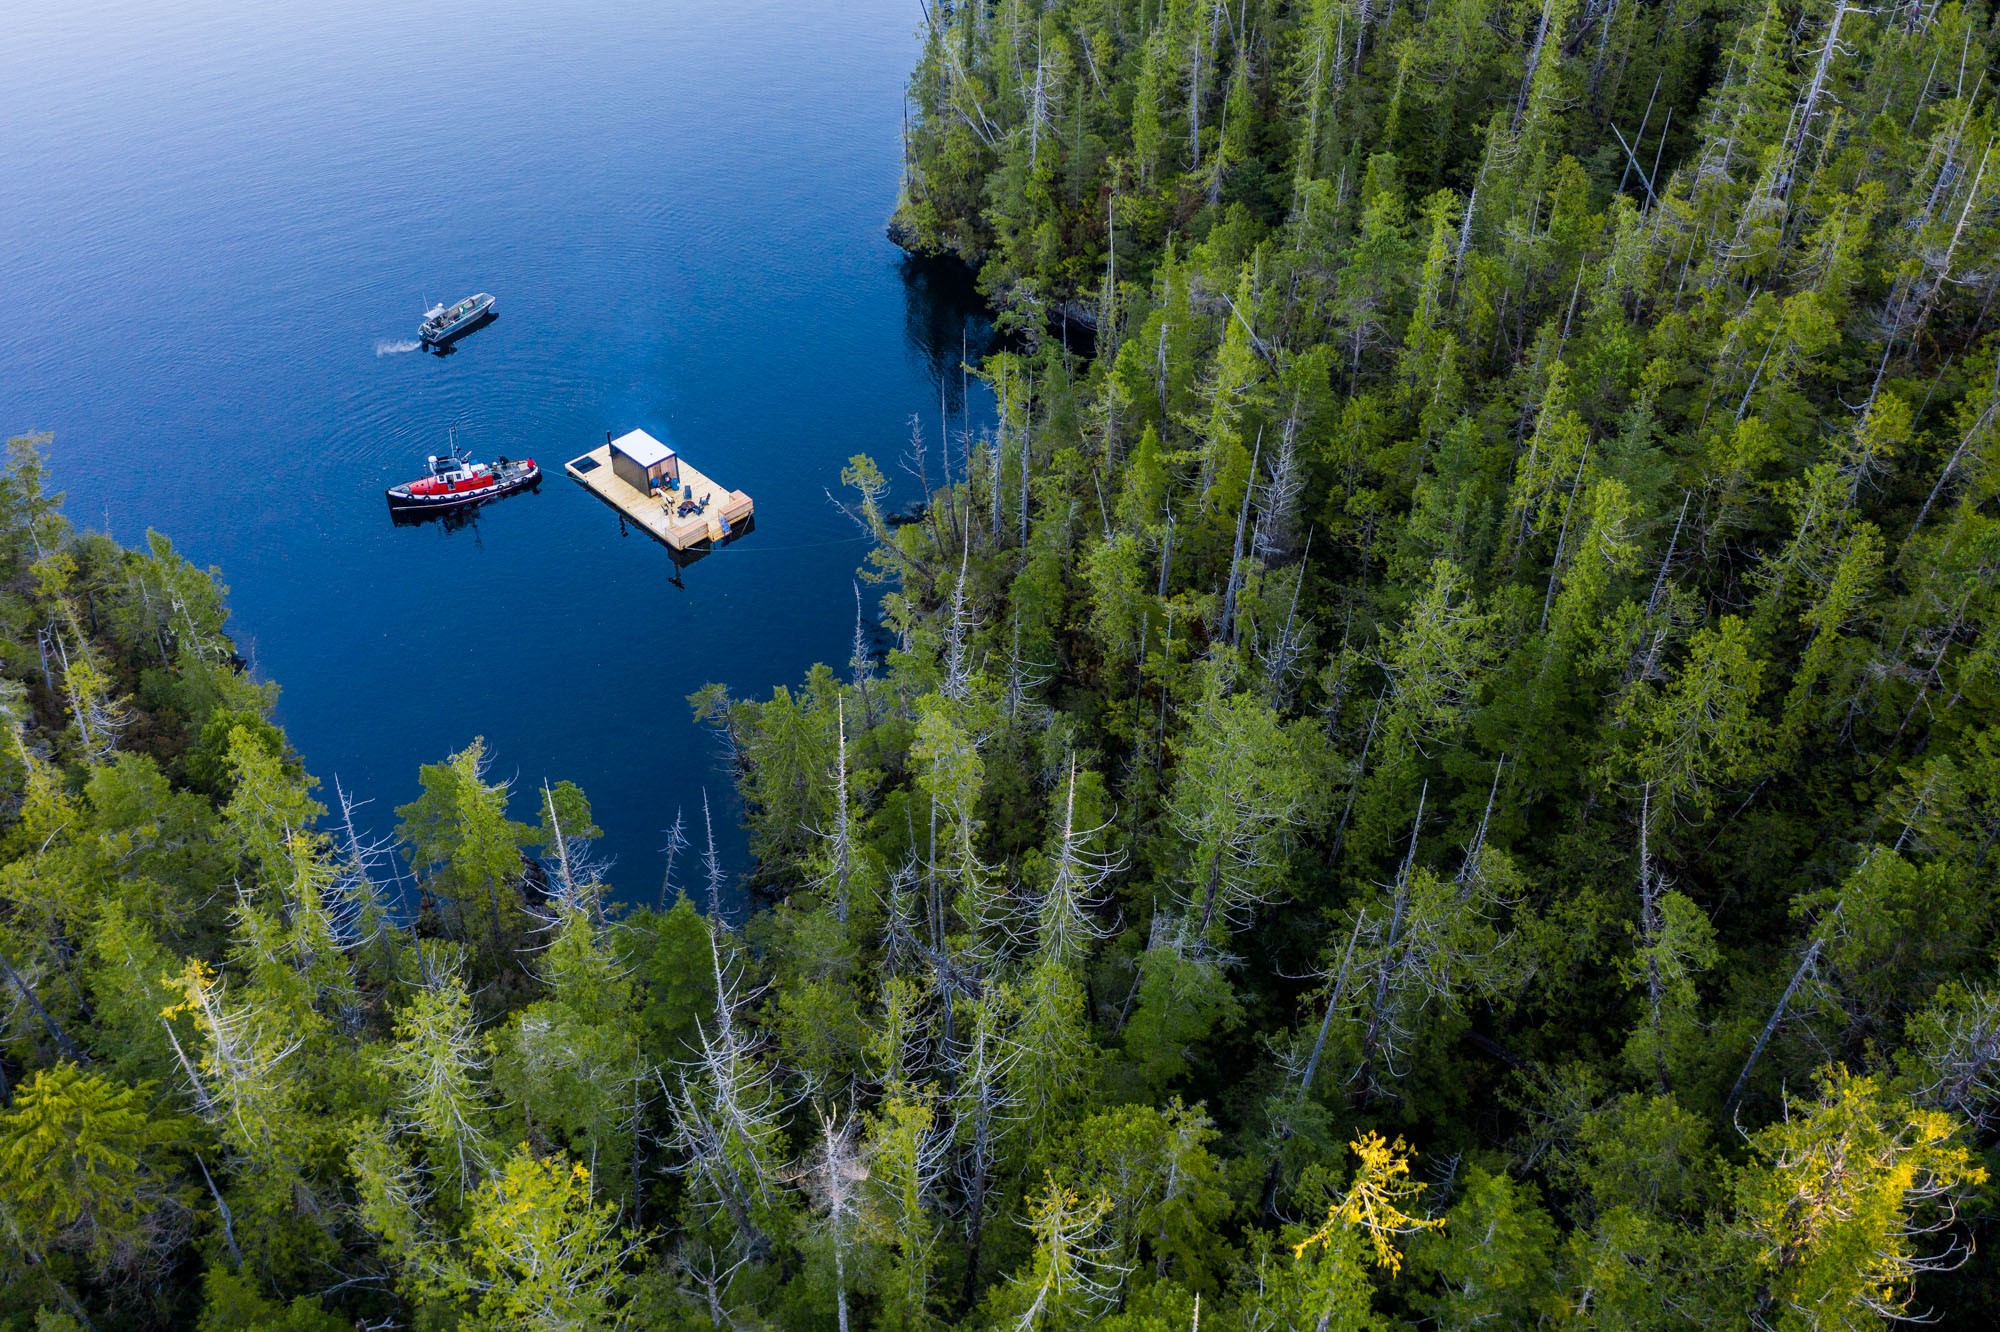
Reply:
x=1439 y=766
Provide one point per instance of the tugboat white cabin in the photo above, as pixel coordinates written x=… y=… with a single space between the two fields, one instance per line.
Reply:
x=656 y=488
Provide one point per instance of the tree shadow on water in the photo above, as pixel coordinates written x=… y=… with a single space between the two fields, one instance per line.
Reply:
x=946 y=321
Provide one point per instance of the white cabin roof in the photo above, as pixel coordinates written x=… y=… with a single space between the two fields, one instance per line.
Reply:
x=642 y=448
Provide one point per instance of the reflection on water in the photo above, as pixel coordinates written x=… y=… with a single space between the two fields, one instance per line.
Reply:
x=450 y=345
x=950 y=329
x=947 y=323
x=454 y=520
x=681 y=559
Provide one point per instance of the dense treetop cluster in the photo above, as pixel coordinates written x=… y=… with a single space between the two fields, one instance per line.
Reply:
x=1443 y=771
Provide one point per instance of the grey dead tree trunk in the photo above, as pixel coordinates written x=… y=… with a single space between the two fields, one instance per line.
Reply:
x=999 y=450
x=1962 y=1068
x=1038 y=106
x=915 y=463
x=62 y=1039
x=862 y=663
x=1644 y=118
x=1194 y=102
x=710 y=1155
x=1065 y=915
x=222 y=1210
x=1562 y=541
x=1977 y=428
x=980 y=1105
x=711 y=864
x=957 y=682
x=1534 y=63
x=1650 y=925
x=1644 y=659
x=1392 y=946
x=635 y=1126
x=1236 y=571
x=677 y=842
x=1283 y=656
x=1957 y=235
x=1107 y=316
x=1809 y=110
x=1023 y=678
x=1806 y=968
x=1897 y=309
x=944 y=460
x=1220 y=159
x=841 y=839
x=1333 y=1002
x=726 y=1109
x=833 y=1177
x=1360 y=771
x=1631 y=165
x=361 y=911
x=1027 y=452
x=1272 y=539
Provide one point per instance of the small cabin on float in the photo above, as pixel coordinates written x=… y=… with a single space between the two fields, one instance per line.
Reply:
x=653 y=486
x=643 y=463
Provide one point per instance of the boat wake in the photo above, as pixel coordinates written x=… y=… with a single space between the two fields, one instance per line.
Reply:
x=388 y=348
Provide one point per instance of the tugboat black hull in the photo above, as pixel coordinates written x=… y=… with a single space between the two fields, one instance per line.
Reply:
x=511 y=478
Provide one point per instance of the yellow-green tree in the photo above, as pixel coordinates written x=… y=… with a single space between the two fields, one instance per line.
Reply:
x=83 y=1169
x=1848 y=1201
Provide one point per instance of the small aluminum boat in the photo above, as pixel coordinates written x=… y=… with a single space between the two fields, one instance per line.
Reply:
x=441 y=325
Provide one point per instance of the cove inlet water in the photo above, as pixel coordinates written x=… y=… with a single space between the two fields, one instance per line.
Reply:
x=221 y=222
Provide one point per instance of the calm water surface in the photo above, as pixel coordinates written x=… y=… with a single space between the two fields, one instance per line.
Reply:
x=218 y=226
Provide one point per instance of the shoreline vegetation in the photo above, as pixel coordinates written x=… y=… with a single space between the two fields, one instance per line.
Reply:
x=1445 y=774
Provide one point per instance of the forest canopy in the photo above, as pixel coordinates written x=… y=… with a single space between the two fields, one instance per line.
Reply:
x=1437 y=766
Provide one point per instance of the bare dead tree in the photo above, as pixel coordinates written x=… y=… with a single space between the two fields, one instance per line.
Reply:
x=711 y=864
x=1958 y=1055
x=982 y=1109
x=1024 y=679
x=862 y=662
x=962 y=624
x=1237 y=572
x=725 y=1110
x=1281 y=658
x=1651 y=885
x=1066 y=922
x=1807 y=969
x=1393 y=941
x=832 y=1176
x=839 y=839
x=677 y=842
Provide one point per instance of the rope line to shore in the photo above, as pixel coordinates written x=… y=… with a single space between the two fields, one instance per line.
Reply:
x=802 y=545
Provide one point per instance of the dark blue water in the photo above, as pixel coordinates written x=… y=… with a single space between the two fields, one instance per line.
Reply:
x=219 y=223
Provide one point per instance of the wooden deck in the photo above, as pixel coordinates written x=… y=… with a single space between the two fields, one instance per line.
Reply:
x=655 y=514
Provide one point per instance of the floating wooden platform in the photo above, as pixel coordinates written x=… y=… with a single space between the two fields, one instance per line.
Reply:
x=655 y=514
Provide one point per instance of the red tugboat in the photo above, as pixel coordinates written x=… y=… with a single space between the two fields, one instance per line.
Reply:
x=458 y=483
